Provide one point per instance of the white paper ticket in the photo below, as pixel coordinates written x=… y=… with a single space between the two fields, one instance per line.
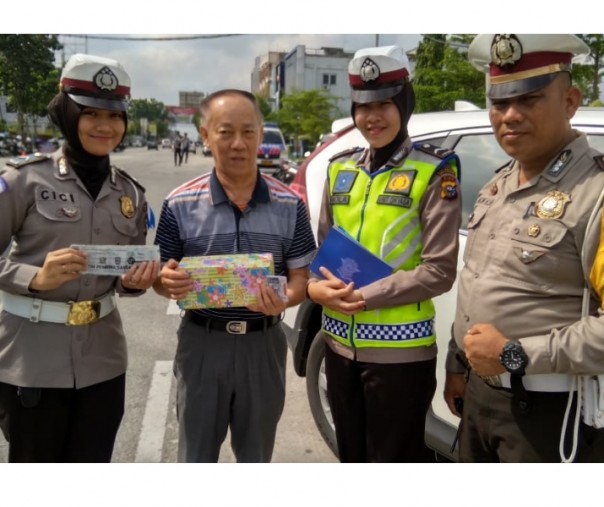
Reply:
x=112 y=260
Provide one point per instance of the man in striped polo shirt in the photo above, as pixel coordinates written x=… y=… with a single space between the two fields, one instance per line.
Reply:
x=227 y=378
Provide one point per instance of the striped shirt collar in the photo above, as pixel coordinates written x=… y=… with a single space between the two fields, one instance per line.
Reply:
x=261 y=192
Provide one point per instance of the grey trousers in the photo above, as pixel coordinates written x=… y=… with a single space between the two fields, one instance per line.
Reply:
x=228 y=381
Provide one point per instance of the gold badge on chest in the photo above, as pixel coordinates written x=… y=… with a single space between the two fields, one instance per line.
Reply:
x=127 y=206
x=552 y=205
x=534 y=230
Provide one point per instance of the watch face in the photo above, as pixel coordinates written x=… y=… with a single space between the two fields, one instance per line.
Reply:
x=514 y=358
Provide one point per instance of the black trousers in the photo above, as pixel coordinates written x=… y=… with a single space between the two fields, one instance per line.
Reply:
x=497 y=428
x=379 y=410
x=52 y=425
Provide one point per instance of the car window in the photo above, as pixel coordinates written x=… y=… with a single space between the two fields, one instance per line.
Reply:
x=480 y=156
x=272 y=137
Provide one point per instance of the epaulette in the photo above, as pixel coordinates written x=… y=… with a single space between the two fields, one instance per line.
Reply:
x=436 y=151
x=507 y=164
x=599 y=160
x=124 y=174
x=19 y=162
x=348 y=153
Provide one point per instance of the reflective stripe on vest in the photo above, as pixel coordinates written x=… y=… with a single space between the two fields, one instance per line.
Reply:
x=381 y=211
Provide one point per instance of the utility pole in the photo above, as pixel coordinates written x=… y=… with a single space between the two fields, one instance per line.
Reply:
x=377 y=39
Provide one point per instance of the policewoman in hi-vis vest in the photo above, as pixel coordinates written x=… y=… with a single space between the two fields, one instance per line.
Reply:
x=401 y=202
x=63 y=352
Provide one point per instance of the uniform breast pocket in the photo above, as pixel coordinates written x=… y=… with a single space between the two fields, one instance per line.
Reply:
x=538 y=252
x=58 y=211
x=125 y=226
x=474 y=221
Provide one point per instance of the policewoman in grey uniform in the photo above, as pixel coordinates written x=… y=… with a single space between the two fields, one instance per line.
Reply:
x=527 y=318
x=62 y=347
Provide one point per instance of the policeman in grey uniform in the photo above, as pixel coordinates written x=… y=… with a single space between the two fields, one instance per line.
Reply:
x=528 y=323
x=62 y=347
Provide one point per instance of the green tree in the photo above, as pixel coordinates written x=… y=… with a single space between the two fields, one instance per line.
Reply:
x=588 y=77
x=27 y=73
x=265 y=108
x=305 y=115
x=153 y=111
x=444 y=75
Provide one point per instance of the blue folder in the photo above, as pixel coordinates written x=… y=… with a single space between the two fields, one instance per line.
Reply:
x=347 y=259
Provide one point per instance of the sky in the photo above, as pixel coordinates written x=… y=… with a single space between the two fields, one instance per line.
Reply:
x=159 y=69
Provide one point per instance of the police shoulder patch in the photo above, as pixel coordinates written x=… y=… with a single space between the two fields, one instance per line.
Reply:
x=19 y=162
x=347 y=154
x=431 y=149
x=124 y=174
x=599 y=160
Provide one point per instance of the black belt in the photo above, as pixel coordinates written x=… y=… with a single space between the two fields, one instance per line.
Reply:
x=234 y=326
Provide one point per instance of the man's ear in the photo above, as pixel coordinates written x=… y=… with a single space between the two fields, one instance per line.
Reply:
x=573 y=101
x=204 y=133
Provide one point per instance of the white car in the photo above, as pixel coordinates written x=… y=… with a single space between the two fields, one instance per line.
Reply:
x=467 y=132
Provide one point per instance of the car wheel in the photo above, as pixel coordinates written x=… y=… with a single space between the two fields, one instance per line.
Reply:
x=316 y=390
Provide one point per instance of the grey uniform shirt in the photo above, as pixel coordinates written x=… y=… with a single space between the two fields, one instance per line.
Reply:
x=43 y=209
x=522 y=264
x=440 y=221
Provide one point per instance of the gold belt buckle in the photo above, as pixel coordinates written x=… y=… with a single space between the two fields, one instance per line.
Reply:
x=82 y=313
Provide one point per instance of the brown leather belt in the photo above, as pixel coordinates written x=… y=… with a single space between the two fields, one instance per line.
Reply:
x=234 y=326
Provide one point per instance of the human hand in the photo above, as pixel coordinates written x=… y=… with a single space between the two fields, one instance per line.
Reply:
x=455 y=389
x=173 y=282
x=336 y=295
x=141 y=276
x=268 y=302
x=482 y=345
x=60 y=266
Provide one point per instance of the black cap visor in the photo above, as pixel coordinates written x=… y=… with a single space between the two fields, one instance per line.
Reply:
x=520 y=86
x=111 y=105
x=366 y=96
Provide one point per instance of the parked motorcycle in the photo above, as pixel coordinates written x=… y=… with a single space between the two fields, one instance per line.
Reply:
x=287 y=172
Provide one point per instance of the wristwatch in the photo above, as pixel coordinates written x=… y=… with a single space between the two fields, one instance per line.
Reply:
x=513 y=358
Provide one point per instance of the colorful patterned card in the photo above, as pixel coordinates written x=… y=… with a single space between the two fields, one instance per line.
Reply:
x=225 y=281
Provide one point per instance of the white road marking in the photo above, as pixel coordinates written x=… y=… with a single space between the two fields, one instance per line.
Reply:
x=151 y=439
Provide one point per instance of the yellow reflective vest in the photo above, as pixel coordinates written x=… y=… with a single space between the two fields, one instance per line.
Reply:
x=381 y=210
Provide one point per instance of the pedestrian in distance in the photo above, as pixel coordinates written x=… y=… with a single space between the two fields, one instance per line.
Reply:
x=401 y=201
x=230 y=362
x=176 y=148
x=529 y=322
x=184 y=148
x=63 y=351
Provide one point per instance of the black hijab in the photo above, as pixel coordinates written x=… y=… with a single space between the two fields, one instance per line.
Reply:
x=405 y=103
x=91 y=169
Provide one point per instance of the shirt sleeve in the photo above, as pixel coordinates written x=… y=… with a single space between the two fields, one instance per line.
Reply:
x=303 y=244
x=596 y=275
x=168 y=235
